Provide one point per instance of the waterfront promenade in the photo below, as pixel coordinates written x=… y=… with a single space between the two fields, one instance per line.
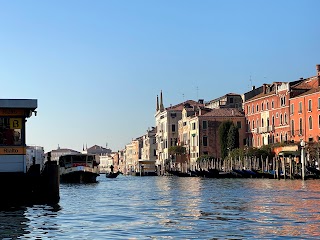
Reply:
x=173 y=208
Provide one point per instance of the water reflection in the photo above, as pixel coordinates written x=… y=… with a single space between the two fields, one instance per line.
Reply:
x=173 y=208
x=13 y=223
x=41 y=220
x=292 y=206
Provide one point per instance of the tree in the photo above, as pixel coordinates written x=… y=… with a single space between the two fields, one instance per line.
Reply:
x=223 y=137
x=233 y=138
x=177 y=150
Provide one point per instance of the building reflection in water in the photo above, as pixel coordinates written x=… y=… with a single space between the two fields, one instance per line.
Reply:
x=13 y=223
x=27 y=221
x=287 y=208
x=178 y=199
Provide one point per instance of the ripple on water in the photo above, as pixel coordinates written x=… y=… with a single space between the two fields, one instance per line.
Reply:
x=172 y=208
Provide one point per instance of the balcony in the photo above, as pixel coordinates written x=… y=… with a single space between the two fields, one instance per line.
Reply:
x=266 y=129
x=299 y=133
x=255 y=130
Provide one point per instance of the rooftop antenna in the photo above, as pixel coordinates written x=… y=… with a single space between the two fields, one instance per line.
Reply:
x=250 y=85
x=183 y=97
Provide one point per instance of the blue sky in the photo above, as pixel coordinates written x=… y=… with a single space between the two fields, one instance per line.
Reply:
x=96 y=67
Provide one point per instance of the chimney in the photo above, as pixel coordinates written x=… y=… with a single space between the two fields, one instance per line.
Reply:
x=253 y=87
x=264 y=89
x=318 y=73
x=200 y=101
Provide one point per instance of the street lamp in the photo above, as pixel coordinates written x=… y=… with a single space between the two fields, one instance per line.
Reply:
x=303 y=170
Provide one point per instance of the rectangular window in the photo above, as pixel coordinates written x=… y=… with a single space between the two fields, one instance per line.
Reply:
x=292 y=109
x=193 y=126
x=205 y=141
x=231 y=100
x=173 y=127
x=318 y=103
x=292 y=127
x=239 y=124
x=204 y=124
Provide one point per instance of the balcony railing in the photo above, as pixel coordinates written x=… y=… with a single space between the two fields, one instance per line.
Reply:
x=255 y=130
x=299 y=133
x=266 y=129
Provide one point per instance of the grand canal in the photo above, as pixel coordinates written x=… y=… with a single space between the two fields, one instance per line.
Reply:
x=173 y=208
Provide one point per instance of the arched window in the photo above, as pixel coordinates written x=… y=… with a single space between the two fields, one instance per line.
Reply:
x=286 y=137
x=292 y=127
x=285 y=118
x=300 y=126
x=252 y=108
x=310 y=122
x=272 y=120
x=261 y=106
x=262 y=123
x=257 y=108
x=310 y=105
x=281 y=119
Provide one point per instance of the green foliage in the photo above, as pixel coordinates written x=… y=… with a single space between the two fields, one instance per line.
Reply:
x=228 y=137
x=204 y=158
x=177 y=150
x=233 y=137
x=223 y=137
x=265 y=151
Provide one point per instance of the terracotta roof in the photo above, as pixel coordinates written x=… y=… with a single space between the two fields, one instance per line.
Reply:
x=180 y=106
x=95 y=147
x=306 y=83
x=260 y=95
x=313 y=90
x=224 y=112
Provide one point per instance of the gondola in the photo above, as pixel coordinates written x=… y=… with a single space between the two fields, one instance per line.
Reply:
x=112 y=174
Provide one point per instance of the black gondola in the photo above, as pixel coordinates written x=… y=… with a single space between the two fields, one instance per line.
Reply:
x=112 y=174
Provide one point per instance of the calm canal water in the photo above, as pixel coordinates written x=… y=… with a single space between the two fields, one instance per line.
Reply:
x=173 y=208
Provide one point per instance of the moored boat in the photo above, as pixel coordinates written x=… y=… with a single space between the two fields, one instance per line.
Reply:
x=78 y=168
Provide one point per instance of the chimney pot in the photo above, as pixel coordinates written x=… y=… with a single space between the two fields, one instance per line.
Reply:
x=318 y=69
